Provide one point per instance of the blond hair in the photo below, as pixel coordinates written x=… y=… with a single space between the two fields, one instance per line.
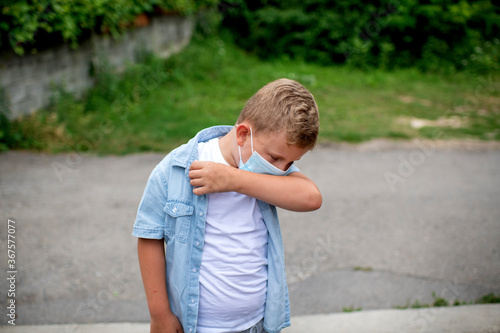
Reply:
x=284 y=105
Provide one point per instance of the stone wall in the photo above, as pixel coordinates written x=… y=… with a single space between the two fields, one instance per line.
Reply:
x=28 y=82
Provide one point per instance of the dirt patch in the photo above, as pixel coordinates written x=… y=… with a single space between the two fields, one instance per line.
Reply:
x=411 y=99
x=417 y=123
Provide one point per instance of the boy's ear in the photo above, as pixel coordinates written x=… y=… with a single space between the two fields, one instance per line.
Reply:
x=242 y=133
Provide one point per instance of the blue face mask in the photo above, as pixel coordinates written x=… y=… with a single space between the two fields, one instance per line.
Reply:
x=258 y=164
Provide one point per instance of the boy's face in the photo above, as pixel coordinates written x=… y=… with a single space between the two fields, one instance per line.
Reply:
x=272 y=147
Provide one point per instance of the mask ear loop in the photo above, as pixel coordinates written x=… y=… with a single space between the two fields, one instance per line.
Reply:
x=251 y=138
x=251 y=141
x=239 y=151
x=251 y=144
x=239 y=147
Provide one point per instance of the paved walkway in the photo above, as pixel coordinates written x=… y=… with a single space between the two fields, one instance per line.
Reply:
x=462 y=319
x=399 y=222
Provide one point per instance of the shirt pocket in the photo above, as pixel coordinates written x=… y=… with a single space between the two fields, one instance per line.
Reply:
x=178 y=220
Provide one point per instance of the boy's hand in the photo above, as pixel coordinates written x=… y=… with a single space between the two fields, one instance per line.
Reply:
x=294 y=192
x=168 y=324
x=210 y=177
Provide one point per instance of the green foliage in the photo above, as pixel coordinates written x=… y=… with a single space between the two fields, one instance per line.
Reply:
x=417 y=305
x=350 y=309
x=488 y=299
x=433 y=35
x=157 y=104
x=364 y=269
x=30 y=24
x=439 y=301
x=8 y=137
x=5 y=133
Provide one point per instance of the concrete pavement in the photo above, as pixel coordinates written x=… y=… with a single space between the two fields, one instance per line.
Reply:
x=461 y=319
x=400 y=220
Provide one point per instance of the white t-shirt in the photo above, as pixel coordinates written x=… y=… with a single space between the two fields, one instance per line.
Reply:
x=233 y=272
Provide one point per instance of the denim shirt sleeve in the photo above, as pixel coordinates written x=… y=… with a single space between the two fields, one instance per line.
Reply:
x=150 y=219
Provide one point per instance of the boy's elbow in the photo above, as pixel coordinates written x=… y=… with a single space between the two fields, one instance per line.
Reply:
x=318 y=202
x=315 y=201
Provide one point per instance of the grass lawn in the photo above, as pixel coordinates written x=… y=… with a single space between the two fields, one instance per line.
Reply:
x=161 y=103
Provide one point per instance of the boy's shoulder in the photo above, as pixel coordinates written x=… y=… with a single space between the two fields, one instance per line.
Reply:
x=187 y=153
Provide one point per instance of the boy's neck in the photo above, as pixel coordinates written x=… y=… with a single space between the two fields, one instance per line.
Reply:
x=227 y=145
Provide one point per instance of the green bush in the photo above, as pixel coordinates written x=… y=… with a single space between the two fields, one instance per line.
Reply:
x=488 y=299
x=32 y=24
x=433 y=35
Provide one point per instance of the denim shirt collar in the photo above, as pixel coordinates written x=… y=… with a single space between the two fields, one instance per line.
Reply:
x=184 y=157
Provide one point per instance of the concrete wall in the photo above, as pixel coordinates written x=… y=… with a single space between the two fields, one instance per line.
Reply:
x=28 y=82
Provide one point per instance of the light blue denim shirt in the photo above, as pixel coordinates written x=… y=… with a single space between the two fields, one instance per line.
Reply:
x=170 y=210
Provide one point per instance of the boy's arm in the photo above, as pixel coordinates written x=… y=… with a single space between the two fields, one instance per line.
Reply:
x=152 y=264
x=294 y=192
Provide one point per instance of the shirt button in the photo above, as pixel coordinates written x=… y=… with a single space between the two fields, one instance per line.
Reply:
x=201 y=214
x=174 y=210
x=192 y=300
x=194 y=270
x=197 y=243
x=190 y=329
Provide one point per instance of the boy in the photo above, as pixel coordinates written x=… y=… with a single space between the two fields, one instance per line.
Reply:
x=212 y=202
